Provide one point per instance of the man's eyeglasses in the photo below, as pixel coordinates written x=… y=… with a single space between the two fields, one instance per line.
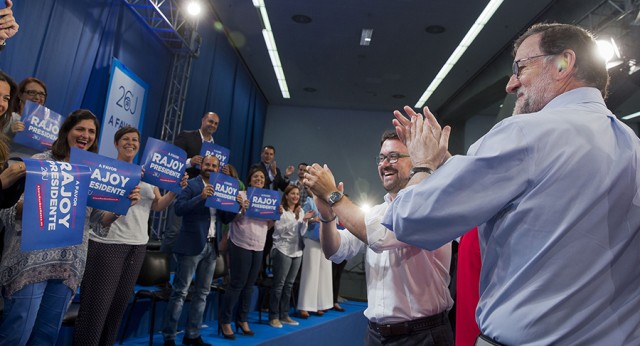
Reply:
x=392 y=157
x=34 y=93
x=515 y=68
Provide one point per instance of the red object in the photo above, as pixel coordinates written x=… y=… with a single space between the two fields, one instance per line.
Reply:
x=468 y=288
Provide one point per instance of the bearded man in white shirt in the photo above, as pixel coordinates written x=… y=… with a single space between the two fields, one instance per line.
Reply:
x=407 y=287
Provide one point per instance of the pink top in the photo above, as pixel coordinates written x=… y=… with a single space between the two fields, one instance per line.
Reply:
x=248 y=233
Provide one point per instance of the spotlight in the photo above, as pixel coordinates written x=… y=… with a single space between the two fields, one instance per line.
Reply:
x=365 y=207
x=609 y=52
x=194 y=8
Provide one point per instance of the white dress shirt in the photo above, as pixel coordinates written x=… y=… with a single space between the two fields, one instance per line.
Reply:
x=403 y=282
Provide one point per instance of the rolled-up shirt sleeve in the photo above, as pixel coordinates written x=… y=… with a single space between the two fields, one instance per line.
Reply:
x=379 y=237
x=349 y=246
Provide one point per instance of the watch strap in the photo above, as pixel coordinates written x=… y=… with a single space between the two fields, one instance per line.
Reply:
x=415 y=170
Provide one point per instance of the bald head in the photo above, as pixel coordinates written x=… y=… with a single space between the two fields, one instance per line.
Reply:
x=210 y=121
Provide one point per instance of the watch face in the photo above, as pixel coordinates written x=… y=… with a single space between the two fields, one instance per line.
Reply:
x=334 y=197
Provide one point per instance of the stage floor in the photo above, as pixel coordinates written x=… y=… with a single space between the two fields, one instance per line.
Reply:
x=333 y=328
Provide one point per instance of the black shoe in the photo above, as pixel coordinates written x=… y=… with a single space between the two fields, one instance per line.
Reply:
x=169 y=343
x=195 y=341
x=226 y=336
x=247 y=332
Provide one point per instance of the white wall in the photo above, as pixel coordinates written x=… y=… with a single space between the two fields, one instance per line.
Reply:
x=348 y=141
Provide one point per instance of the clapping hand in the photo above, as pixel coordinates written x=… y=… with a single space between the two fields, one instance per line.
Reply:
x=426 y=140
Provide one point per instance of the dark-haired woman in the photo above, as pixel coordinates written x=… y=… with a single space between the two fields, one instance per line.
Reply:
x=246 y=242
x=38 y=285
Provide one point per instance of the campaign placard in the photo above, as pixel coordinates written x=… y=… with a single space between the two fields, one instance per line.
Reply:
x=55 y=200
x=164 y=165
x=41 y=126
x=263 y=204
x=111 y=180
x=218 y=151
x=225 y=191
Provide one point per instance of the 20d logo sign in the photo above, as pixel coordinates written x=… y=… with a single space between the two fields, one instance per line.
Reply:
x=125 y=100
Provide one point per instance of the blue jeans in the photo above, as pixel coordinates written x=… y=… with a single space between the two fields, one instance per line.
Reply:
x=285 y=270
x=34 y=314
x=203 y=266
x=244 y=266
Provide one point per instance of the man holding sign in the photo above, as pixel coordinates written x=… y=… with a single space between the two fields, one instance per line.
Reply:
x=196 y=250
x=191 y=141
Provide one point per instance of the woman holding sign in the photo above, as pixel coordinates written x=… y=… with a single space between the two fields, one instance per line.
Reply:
x=246 y=242
x=30 y=89
x=286 y=255
x=115 y=256
x=38 y=285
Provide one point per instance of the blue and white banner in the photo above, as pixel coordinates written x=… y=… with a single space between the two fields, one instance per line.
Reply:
x=263 y=204
x=55 y=200
x=225 y=191
x=125 y=106
x=111 y=180
x=41 y=126
x=164 y=165
x=218 y=151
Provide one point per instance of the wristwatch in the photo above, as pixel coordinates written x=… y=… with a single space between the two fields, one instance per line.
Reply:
x=415 y=170
x=334 y=197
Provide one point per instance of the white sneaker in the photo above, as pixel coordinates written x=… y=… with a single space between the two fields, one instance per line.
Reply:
x=275 y=323
x=289 y=321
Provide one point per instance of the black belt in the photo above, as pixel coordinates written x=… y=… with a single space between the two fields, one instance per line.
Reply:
x=408 y=327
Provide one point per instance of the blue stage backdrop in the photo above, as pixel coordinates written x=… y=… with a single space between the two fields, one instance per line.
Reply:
x=69 y=44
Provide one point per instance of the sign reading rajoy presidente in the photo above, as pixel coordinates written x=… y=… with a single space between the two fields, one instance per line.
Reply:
x=218 y=151
x=41 y=127
x=111 y=180
x=55 y=200
x=225 y=191
x=263 y=204
x=164 y=165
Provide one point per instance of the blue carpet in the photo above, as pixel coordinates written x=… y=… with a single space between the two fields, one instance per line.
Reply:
x=333 y=328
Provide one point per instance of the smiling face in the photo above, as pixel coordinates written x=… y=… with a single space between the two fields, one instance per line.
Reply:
x=82 y=135
x=210 y=164
x=257 y=180
x=127 y=146
x=209 y=123
x=535 y=86
x=268 y=155
x=33 y=92
x=293 y=197
x=394 y=176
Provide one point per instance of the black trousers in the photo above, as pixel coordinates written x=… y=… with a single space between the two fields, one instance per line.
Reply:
x=107 y=284
x=441 y=335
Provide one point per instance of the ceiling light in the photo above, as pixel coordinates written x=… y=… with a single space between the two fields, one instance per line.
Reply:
x=270 y=42
x=631 y=116
x=194 y=8
x=482 y=20
x=365 y=37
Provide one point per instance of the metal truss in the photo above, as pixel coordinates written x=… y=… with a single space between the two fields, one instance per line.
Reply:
x=165 y=19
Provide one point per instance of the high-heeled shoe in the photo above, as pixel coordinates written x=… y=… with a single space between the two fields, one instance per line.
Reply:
x=226 y=336
x=248 y=332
